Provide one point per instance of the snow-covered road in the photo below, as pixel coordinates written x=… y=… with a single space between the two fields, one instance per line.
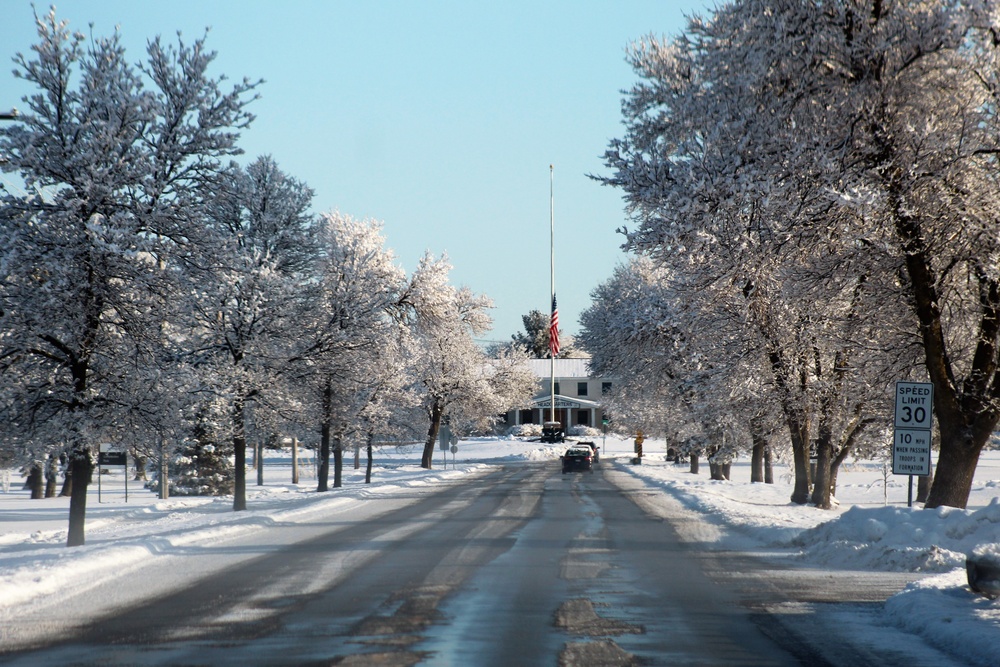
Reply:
x=141 y=549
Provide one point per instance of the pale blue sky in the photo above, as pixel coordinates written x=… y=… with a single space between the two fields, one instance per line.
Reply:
x=439 y=118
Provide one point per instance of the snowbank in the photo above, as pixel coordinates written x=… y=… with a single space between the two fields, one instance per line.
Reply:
x=871 y=529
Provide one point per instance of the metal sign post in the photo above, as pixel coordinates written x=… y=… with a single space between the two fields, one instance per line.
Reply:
x=604 y=440
x=111 y=455
x=444 y=440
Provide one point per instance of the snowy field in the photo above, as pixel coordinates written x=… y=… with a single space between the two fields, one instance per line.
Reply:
x=872 y=529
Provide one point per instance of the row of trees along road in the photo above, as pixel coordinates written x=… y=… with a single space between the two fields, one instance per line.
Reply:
x=154 y=295
x=814 y=196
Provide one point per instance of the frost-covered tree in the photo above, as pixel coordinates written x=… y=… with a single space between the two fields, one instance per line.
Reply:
x=453 y=376
x=244 y=292
x=116 y=158
x=901 y=124
x=353 y=329
x=753 y=183
x=389 y=397
x=923 y=81
x=512 y=384
x=636 y=333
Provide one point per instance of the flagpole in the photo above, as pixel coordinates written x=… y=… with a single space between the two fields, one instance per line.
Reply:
x=552 y=290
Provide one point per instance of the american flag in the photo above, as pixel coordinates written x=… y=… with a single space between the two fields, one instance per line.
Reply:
x=554 y=330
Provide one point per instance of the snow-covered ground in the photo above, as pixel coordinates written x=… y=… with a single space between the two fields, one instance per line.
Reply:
x=872 y=529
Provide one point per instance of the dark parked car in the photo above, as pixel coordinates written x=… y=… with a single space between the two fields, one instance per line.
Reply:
x=595 y=452
x=577 y=458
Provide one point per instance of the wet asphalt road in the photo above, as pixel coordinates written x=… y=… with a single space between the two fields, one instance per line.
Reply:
x=522 y=567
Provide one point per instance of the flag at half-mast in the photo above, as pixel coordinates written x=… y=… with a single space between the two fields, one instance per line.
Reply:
x=554 y=330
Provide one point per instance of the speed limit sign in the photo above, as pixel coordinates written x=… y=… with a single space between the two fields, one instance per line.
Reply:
x=911 y=445
x=914 y=403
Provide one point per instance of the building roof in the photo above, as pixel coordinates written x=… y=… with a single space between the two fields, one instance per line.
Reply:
x=565 y=368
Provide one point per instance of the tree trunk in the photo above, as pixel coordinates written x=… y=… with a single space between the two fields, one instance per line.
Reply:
x=768 y=465
x=258 y=458
x=164 y=467
x=368 y=467
x=36 y=481
x=800 y=458
x=963 y=408
x=240 y=461
x=715 y=469
x=82 y=469
x=51 y=476
x=694 y=463
x=797 y=421
x=427 y=460
x=822 y=480
x=357 y=455
x=338 y=461
x=955 y=467
x=323 y=474
x=757 y=458
x=140 y=466
x=835 y=466
x=67 y=488
x=924 y=486
x=823 y=477
x=853 y=431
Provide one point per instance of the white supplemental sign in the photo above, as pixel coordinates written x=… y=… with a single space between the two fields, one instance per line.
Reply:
x=911 y=452
x=914 y=404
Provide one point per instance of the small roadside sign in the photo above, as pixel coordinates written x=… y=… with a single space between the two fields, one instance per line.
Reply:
x=444 y=437
x=112 y=459
x=112 y=455
x=911 y=452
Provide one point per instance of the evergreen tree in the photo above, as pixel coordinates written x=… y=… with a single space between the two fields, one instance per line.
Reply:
x=202 y=467
x=535 y=338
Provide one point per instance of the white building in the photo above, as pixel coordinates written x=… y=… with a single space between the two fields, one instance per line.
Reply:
x=577 y=395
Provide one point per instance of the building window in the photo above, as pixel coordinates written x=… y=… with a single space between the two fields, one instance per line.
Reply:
x=583 y=418
x=605 y=388
x=557 y=388
x=581 y=388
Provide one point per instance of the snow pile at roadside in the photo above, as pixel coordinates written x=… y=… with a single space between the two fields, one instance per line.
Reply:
x=35 y=564
x=864 y=533
x=901 y=538
x=760 y=511
x=854 y=535
x=942 y=609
